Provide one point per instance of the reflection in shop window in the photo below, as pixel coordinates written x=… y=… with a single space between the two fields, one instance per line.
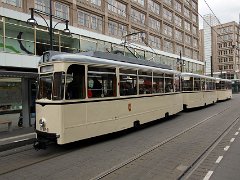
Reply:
x=70 y=44
x=88 y=45
x=1 y=36
x=19 y=38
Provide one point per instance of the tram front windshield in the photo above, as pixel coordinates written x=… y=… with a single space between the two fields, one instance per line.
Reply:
x=51 y=86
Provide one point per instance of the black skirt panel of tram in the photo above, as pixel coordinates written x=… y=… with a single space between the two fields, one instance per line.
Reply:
x=46 y=137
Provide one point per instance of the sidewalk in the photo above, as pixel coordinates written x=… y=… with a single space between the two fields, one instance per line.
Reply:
x=19 y=136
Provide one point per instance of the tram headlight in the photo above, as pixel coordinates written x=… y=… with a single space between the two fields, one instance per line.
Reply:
x=42 y=123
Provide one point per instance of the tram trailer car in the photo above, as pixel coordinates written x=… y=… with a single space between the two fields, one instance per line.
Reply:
x=80 y=97
x=224 y=89
x=198 y=90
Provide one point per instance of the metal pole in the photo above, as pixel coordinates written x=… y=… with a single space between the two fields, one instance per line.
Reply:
x=50 y=27
x=181 y=63
x=211 y=66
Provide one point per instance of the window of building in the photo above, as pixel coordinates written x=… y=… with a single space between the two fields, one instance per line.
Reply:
x=187 y=2
x=178 y=21
x=90 y=21
x=137 y=16
x=154 y=7
x=17 y=3
x=95 y=2
x=179 y=35
x=195 y=55
x=139 y=2
x=42 y=5
x=187 y=26
x=186 y=12
x=116 y=29
x=194 y=18
x=167 y=30
x=194 y=5
x=61 y=10
x=117 y=7
x=178 y=49
x=188 y=53
x=188 y=39
x=139 y=37
x=194 y=30
x=168 y=46
x=154 y=41
x=154 y=24
x=195 y=43
x=167 y=14
x=178 y=6
x=169 y=2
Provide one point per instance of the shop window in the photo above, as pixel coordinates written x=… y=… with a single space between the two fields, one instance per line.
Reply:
x=19 y=38
x=87 y=44
x=69 y=44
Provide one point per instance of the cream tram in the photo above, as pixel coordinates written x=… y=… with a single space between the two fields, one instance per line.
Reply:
x=198 y=90
x=224 y=89
x=82 y=96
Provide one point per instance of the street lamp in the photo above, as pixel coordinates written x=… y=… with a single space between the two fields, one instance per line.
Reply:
x=180 y=61
x=32 y=21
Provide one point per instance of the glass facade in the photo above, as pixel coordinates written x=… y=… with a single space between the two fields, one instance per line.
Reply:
x=19 y=37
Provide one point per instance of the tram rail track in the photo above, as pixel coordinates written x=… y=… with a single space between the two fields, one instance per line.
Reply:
x=136 y=157
x=125 y=163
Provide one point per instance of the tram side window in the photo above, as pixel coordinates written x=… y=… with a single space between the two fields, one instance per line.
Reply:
x=220 y=85
x=158 y=83
x=169 y=83
x=187 y=83
x=197 y=84
x=128 y=82
x=75 y=82
x=145 y=82
x=203 y=84
x=101 y=82
x=58 y=85
x=45 y=87
x=210 y=84
x=177 y=83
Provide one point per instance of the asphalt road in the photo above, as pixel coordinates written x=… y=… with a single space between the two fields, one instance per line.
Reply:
x=90 y=159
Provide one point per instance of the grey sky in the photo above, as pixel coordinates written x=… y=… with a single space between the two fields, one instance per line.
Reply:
x=225 y=10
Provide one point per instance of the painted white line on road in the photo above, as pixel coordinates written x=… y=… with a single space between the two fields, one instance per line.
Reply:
x=236 y=133
x=21 y=140
x=208 y=175
x=219 y=159
x=233 y=139
x=226 y=148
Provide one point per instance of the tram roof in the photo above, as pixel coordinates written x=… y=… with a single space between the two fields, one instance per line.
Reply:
x=107 y=59
x=196 y=75
x=220 y=79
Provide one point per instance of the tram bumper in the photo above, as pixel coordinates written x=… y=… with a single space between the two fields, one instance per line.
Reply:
x=43 y=139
